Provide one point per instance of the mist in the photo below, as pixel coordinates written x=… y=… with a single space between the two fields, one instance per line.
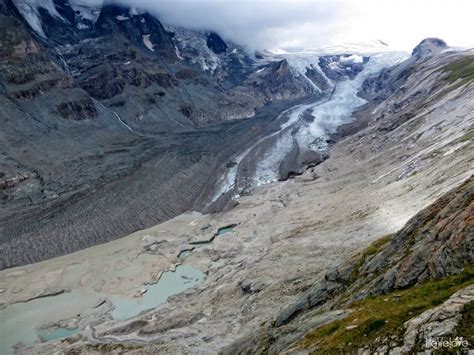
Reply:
x=298 y=24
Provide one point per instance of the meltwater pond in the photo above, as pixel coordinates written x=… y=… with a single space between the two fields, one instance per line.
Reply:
x=56 y=334
x=21 y=322
x=170 y=283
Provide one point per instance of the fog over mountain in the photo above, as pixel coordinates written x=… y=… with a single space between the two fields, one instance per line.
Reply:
x=308 y=23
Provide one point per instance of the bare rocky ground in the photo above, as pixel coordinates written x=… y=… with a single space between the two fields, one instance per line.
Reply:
x=416 y=145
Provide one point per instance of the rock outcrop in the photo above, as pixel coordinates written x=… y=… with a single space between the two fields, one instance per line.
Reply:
x=441 y=321
x=428 y=48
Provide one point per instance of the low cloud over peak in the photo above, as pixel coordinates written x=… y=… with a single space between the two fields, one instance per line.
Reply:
x=295 y=24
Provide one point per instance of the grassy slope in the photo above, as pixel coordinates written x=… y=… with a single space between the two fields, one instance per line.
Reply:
x=378 y=317
x=462 y=69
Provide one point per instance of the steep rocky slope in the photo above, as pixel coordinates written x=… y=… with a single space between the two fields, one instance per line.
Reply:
x=435 y=244
x=291 y=239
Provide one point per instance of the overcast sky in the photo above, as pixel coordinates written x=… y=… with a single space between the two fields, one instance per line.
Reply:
x=296 y=24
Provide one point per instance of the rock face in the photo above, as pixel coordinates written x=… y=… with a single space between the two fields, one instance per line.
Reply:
x=339 y=67
x=437 y=242
x=215 y=43
x=429 y=47
x=389 y=80
x=438 y=322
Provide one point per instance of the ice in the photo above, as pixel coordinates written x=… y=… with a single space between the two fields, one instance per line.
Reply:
x=301 y=63
x=84 y=9
x=267 y=169
x=87 y=9
x=191 y=45
x=344 y=100
x=352 y=59
x=134 y=11
x=147 y=42
x=328 y=115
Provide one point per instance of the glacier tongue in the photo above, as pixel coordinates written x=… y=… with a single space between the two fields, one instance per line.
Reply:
x=330 y=112
x=344 y=100
x=328 y=115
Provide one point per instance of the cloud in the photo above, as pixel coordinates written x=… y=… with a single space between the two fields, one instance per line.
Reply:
x=257 y=24
x=293 y=24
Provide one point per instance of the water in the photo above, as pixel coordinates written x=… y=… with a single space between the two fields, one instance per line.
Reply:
x=48 y=335
x=19 y=322
x=225 y=230
x=170 y=283
x=116 y=115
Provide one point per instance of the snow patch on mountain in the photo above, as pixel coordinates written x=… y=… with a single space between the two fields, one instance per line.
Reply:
x=29 y=9
x=352 y=59
x=300 y=63
x=353 y=48
x=364 y=48
x=147 y=42
x=191 y=45
x=87 y=9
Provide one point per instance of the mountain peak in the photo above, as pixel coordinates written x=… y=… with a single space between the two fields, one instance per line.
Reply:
x=429 y=47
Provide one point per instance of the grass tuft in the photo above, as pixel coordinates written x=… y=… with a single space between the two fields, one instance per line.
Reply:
x=371 y=250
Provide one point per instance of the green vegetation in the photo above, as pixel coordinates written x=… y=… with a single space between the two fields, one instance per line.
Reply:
x=373 y=249
x=379 y=317
x=376 y=246
x=462 y=69
x=469 y=136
